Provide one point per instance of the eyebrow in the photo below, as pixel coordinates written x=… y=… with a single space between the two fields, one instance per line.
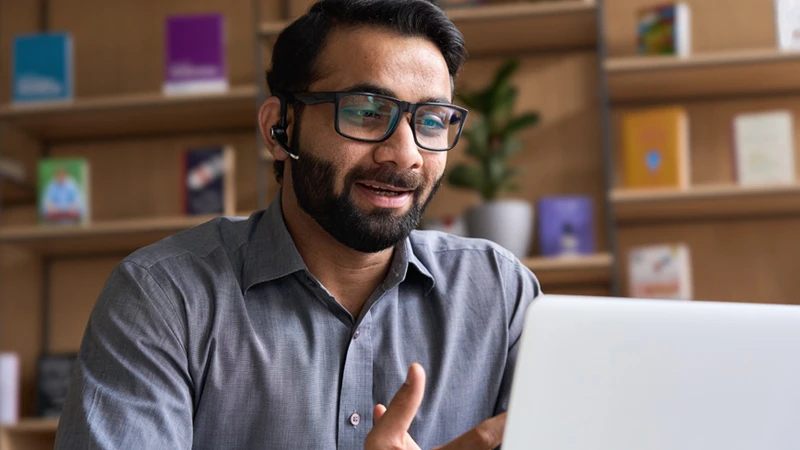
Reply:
x=375 y=89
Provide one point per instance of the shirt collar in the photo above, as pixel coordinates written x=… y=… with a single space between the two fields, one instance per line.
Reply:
x=406 y=251
x=272 y=254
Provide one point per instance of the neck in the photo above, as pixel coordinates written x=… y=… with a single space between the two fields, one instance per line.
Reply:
x=349 y=275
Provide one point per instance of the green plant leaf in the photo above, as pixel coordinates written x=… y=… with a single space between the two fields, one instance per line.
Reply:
x=504 y=73
x=520 y=122
x=502 y=107
x=469 y=99
x=511 y=147
x=466 y=177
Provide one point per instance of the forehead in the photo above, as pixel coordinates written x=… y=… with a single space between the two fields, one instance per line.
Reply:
x=410 y=67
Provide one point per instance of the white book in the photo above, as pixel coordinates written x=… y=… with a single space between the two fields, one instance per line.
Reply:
x=9 y=388
x=787 y=24
x=764 y=147
x=661 y=271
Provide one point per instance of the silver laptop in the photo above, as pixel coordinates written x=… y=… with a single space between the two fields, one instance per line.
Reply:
x=631 y=374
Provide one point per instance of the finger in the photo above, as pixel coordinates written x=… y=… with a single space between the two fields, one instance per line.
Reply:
x=397 y=418
x=377 y=413
x=486 y=436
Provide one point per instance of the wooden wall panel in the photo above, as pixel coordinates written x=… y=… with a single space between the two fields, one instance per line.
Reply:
x=716 y=24
x=119 y=46
x=711 y=145
x=563 y=152
x=754 y=260
x=21 y=315
x=75 y=285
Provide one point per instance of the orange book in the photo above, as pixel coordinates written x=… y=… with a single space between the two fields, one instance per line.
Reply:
x=655 y=148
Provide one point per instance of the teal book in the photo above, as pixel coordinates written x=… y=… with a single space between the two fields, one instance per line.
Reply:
x=63 y=191
x=42 y=68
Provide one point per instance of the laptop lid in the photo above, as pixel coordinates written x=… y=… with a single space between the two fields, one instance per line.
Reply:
x=618 y=373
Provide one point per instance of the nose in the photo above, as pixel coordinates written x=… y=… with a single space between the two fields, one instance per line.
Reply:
x=400 y=149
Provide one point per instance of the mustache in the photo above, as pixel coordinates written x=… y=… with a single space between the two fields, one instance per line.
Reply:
x=387 y=175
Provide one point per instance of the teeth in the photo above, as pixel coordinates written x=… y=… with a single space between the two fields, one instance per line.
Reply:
x=381 y=191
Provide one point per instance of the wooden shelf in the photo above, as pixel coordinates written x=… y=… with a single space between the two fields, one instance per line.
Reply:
x=703 y=76
x=514 y=27
x=115 y=236
x=141 y=114
x=29 y=434
x=590 y=269
x=705 y=202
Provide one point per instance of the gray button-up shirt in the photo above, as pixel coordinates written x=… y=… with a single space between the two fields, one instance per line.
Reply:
x=220 y=338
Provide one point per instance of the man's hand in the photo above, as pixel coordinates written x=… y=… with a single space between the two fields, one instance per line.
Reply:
x=391 y=424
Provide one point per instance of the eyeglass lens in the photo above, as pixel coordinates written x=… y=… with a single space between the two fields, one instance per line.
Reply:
x=372 y=118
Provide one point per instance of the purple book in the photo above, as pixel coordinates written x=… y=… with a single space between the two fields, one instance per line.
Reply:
x=195 y=57
x=566 y=226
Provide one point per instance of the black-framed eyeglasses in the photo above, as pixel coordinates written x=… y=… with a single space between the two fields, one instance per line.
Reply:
x=367 y=117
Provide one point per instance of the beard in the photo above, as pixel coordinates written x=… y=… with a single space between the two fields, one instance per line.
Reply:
x=314 y=182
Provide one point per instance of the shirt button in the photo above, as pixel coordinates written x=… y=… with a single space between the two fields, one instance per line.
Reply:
x=355 y=419
x=356 y=334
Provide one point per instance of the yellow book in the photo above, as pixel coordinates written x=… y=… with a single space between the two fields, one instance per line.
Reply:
x=655 y=148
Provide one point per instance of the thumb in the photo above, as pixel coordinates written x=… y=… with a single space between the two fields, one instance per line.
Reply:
x=397 y=417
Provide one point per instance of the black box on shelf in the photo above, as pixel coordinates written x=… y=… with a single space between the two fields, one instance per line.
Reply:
x=53 y=374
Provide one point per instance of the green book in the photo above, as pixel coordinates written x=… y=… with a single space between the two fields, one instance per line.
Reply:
x=63 y=190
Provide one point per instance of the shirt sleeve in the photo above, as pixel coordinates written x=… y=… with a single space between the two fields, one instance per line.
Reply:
x=130 y=387
x=521 y=288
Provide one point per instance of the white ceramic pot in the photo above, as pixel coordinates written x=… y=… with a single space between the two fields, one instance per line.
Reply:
x=506 y=222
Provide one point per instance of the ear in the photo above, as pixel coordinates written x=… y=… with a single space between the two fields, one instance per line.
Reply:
x=269 y=115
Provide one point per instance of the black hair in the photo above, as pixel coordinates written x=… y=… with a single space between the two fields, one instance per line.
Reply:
x=298 y=46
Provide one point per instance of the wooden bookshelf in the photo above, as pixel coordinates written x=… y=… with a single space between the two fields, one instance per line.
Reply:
x=101 y=237
x=514 y=27
x=29 y=434
x=571 y=271
x=703 y=76
x=705 y=202
x=140 y=114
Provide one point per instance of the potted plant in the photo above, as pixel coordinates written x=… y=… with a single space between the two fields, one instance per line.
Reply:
x=492 y=143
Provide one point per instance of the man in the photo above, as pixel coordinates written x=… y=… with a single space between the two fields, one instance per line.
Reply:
x=293 y=328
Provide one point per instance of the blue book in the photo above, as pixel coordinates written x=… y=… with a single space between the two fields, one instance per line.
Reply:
x=42 y=68
x=566 y=225
x=208 y=181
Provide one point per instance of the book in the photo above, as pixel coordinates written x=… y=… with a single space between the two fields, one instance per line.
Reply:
x=209 y=185
x=53 y=374
x=566 y=225
x=764 y=147
x=43 y=68
x=660 y=272
x=195 y=56
x=787 y=24
x=664 y=30
x=63 y=190
x=9 y=388
x=655 y=148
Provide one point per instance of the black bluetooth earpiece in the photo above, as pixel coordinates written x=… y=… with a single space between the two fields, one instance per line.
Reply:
x=278 y=132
